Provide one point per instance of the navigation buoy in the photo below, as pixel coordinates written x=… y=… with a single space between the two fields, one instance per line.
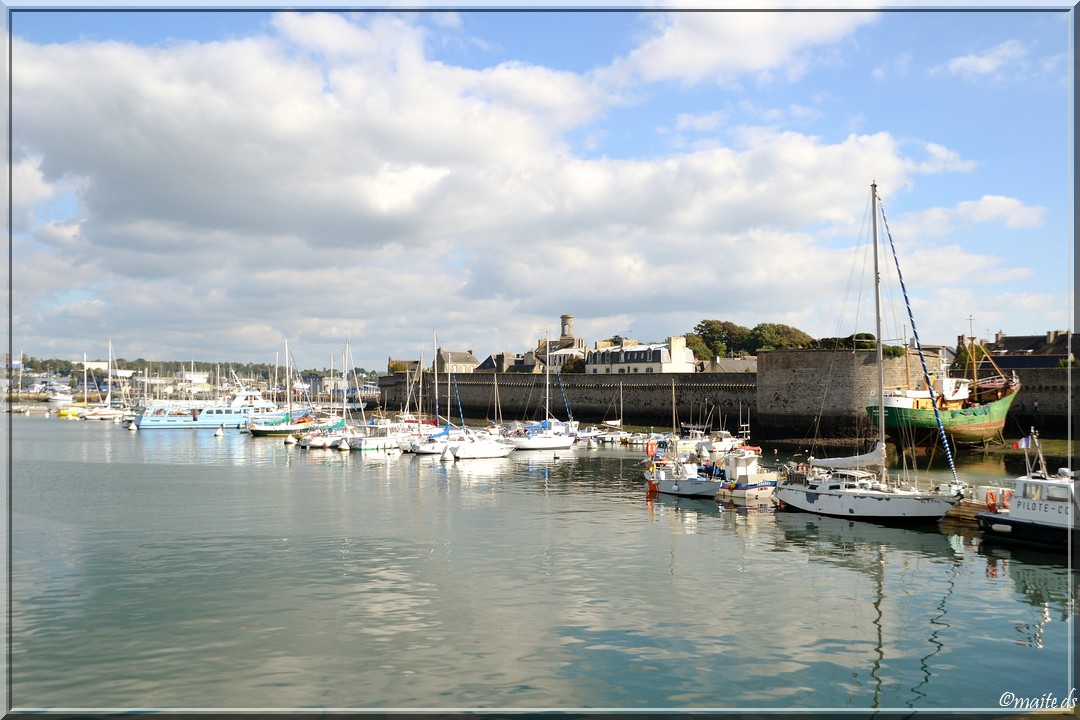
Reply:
x=343 y=445
x=290 y=440
x=220 y=431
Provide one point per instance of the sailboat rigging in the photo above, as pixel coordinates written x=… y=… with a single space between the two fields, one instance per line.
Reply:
x=847 y=487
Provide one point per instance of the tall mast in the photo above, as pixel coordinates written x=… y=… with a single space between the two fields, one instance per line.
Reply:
x=971 y=355
x=547 y=366
x=877 y=308
x=435 y=373
x=288 y=382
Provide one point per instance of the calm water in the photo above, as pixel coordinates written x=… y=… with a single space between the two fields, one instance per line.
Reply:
x=179 y=570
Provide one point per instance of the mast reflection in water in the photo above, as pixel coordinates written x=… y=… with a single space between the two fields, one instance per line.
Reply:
x=187 y=571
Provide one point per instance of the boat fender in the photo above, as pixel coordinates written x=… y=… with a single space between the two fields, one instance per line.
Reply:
x=991 y=501
x=652 y=467
x=675 y=487
x=1006 y=499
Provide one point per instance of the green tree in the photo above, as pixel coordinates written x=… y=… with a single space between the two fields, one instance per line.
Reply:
x=697 y=345
x=574 y=365
x=966 y=356
x=723 y=336
x=858 y=341
x=773 y=336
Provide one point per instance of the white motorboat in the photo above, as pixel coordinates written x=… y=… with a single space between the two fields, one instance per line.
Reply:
x=477 y=445
x=1040 y=510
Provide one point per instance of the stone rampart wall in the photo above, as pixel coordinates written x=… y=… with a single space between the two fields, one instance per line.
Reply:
x=646 y=399
x=796 y=393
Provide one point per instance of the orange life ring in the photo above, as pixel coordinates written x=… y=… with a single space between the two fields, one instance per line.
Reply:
x=1006 y=499
x=650 y=448
x=991 y=501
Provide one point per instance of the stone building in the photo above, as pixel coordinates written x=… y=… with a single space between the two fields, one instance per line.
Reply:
x=1053 y=349
x=454 y=361
x=644 y=358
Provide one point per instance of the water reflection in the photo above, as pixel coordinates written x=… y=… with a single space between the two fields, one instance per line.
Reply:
x=239 y=572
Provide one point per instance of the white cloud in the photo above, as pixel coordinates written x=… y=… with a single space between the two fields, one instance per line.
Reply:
x=329 y=179
x=997 y=58
x=940 y=222
x=701 y=122
x=721 y=47
x=943 y=160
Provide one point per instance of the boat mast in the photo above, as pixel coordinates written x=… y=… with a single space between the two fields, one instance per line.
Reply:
x=877 y=319
x=674 y=412
x=547 y=367
x=971 y=358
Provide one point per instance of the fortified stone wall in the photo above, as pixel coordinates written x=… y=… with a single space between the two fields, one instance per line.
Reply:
x=795 y=393
x=646 y=399
x=1052 y=390
x=823 y=392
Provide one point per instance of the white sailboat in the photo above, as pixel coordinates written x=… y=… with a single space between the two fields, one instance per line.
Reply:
x=483 y=444
x=550 y=433
x=859 y=487
x=106 y=410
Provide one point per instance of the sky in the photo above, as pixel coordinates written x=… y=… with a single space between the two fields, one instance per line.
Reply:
x=208 y=184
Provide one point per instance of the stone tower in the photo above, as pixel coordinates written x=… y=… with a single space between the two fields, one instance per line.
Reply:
x=567 y=324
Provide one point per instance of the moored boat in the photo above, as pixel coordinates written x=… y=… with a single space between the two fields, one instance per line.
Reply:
x=669 y=476
x=859 y=487
x=481 y=445
x=243 y=407
x=1038 y=511
x=743 y=477
x=971 y=411
x=550 y=434
x=678 y=477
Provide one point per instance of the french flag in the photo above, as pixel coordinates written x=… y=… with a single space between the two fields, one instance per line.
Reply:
x=1022 y=443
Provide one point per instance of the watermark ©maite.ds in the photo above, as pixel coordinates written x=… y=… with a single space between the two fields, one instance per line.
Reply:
x=1046 y=701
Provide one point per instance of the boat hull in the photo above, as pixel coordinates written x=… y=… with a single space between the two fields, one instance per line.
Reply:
x=999 y=526
x=967 y=426
x=465 y=452
x=282 y=430
x=754 y=492
x=684 y=487
x=544 y=442
x=875 y=506
x=189 y=421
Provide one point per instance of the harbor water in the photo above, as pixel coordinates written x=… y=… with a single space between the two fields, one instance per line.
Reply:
x=179 y=570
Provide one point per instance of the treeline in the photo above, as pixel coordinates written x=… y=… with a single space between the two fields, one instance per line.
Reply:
x=721 y=338
x=169 y=368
